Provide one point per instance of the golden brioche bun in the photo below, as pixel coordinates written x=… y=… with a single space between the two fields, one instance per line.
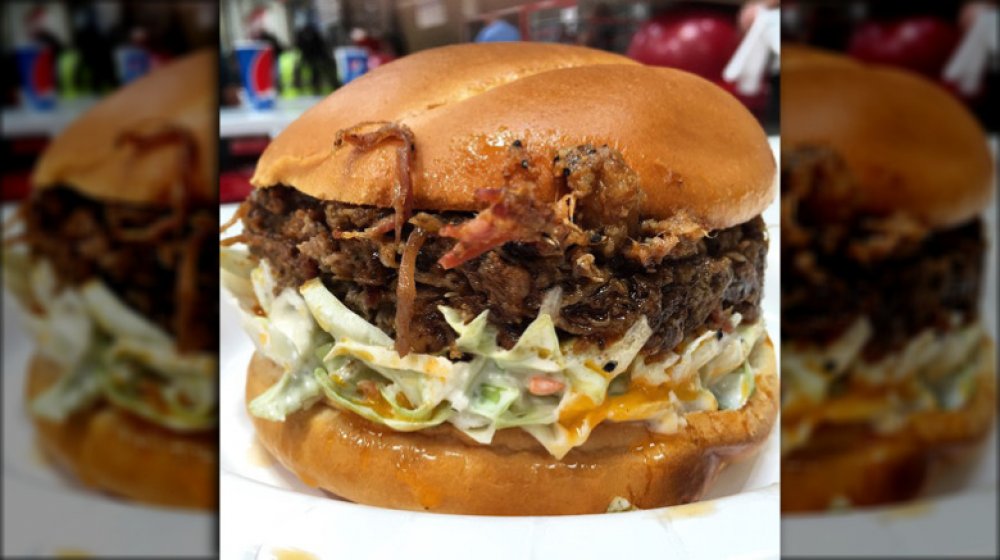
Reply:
x=89 y=157
x=120 y=453
x=694 y=147
x=848 y=462
x=440 y=470
x=912 y=146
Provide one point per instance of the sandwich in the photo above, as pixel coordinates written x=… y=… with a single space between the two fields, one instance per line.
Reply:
x=510 y=279
x=115 y=267
x=887 y=371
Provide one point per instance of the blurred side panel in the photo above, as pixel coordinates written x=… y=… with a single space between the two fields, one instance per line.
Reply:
x=889 y=284
x=110 y=284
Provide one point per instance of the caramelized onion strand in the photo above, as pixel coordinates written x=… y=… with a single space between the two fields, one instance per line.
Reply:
x=406 y=289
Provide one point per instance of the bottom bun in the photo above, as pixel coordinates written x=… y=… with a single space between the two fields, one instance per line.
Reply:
x=849 y=465
x=115 y=451
x=441 y=470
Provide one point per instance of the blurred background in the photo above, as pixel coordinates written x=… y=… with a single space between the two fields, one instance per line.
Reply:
x=60 y=57
x=280 y=56
x=919 y=35
x=954 y=45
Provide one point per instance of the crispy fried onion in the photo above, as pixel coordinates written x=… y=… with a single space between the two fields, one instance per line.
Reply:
x=406 y=289
x=660 y=237
x=402 y=196
x=239 y=214
x=427 y=222
x=374 y=231
x=886 y=235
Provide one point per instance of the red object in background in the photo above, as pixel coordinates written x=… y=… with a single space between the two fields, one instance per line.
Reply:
x=252 y=146
x=377 y=59
x=16 y=186
x=698 y=41
x=20 y=154
x=262 y=71
x=235 y=185
x=43 y=74
x=922 y=44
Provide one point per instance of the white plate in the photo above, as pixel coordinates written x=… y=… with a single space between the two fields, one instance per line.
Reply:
x=266 y=511
x=956 y=516
x=48 y=513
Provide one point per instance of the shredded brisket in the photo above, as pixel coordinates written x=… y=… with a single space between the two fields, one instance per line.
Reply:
x=839 y=264
x=146 y=255
x=612 y=267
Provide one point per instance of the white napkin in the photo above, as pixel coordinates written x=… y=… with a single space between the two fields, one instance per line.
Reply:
x=750 y=59
x=969 y=61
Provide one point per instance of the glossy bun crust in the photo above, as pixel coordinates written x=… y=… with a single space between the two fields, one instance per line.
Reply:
x=695 y=148
x=90 y=155
x=847 y=462
x=117 y=452
x=440 y=470
x=910 y=143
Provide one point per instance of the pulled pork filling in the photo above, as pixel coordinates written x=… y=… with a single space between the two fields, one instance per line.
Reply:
x=612 y=266
x=158 y=263
x=841 y=266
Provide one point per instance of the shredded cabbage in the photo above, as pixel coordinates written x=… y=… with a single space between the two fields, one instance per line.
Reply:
x=933 y=371
x=15 y=262
x=930 y=363
x=732 y=390
x=107 y=350
x=115 y=317
x=236 y=265
x=592 y=369
x=352 y=364
x=335 y=318
x=296 y=389
x=67 y=340
x=79 y=388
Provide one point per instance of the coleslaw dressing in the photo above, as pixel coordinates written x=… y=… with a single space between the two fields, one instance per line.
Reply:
x=328 y=352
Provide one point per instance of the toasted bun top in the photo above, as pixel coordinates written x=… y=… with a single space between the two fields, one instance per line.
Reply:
x=92 y=155
x=910 y=144
x=694 y=147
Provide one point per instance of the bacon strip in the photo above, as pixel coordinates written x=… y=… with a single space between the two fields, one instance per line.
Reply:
x=406 y=289
x=543 y=385
x=513 y=215
x=402 y=196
